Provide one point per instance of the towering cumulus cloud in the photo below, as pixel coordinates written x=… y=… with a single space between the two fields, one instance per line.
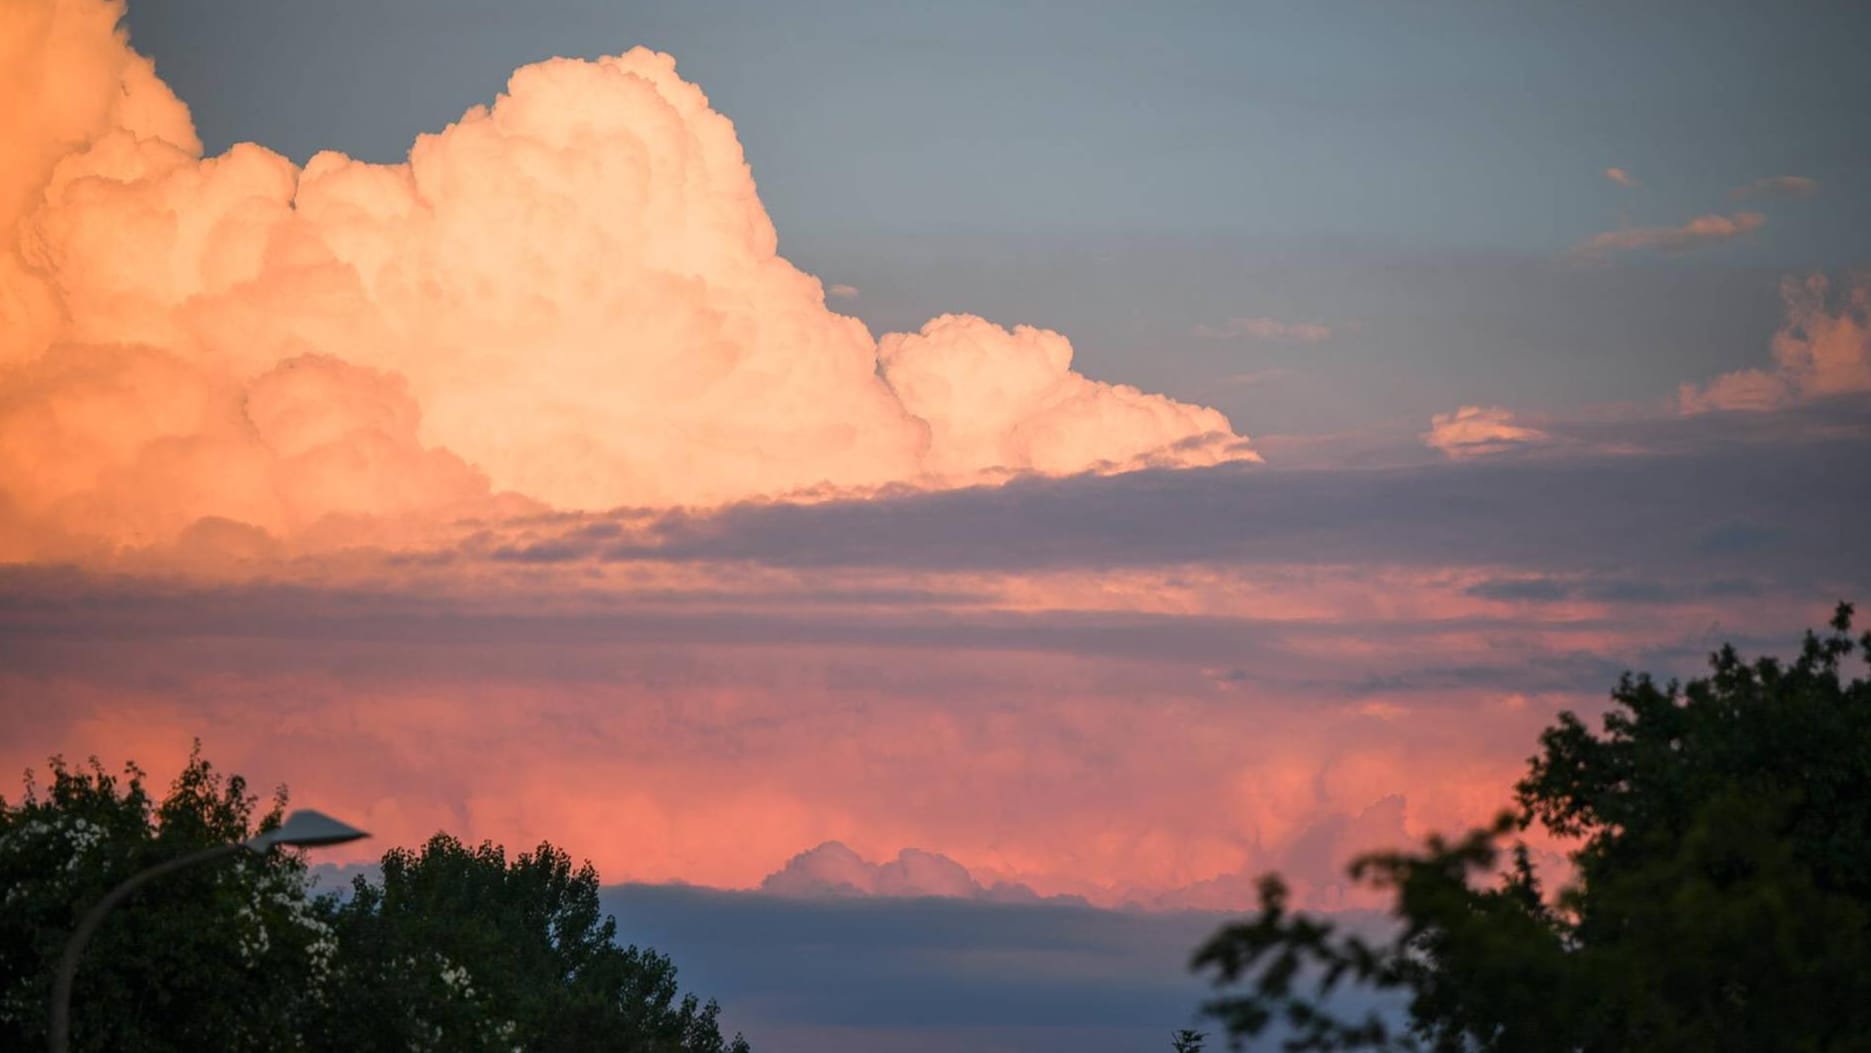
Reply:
x=569 y=299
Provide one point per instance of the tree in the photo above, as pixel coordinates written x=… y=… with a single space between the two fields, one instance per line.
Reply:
x=1187 y=1041
x=458 y=949
x=213 y=958
x=1720 y=896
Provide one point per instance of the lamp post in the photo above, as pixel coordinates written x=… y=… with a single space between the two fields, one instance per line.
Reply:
x=302 y=829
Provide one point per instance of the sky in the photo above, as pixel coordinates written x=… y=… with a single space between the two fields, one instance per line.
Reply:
x=987 y=477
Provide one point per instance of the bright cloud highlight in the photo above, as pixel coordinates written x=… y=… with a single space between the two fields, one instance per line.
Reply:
x=571 y=298
x=1476 y=431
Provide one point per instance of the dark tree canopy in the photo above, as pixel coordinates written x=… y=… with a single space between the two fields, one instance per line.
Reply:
x=455 y=949
x=212 y=958
x=1720 y=896
x=459 y=949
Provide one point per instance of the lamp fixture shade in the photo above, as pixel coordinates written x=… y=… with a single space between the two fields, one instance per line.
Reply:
x=304 y=829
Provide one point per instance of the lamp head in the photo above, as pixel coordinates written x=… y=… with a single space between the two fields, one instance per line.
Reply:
x=306 y=829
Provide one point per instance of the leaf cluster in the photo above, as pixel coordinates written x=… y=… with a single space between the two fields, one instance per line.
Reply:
x=455 y=948
x=1720 y=896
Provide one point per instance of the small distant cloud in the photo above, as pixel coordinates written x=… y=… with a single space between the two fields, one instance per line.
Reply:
x=843 y=292
x=1699 y=232
x=1777 y=186
x=1267 y=329
x=1621 y=177
x=1823 y=349
x=834 y=871
x=1477 y=431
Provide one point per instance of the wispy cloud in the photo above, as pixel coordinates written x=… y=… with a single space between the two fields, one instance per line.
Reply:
x=1270 y=330
x=1476 y=431
x=1700 y=232
x=843 y=292
x=1777 y=186
x=1621 y=177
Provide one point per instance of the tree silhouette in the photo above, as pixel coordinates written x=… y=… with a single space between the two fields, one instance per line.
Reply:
x=460 y=949
x=220 y=957
x=1720 y=900
x=454 y=949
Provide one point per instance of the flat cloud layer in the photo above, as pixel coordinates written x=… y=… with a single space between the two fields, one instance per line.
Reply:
x=570 y=298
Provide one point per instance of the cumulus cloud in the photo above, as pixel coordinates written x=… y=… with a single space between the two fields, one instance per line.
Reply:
x=1267 y=329
x=1699 y=232
x=1820 y=351
x=1620 y=177
x=1777 y=186
x=833 y=870
x=1475 y=431
x=569 y=298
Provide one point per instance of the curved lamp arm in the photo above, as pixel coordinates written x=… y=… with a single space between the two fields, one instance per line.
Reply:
x=304 y=828
x=74 y=947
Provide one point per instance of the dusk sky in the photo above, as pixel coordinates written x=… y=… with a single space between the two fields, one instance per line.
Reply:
x=931 y=499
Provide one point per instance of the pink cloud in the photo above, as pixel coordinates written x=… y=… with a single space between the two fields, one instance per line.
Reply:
x=1820 y=351
x=1476 y=431
x=947 y=751
x=833 y=870
x=1620 y=177
x=1700 y=232
x=843 y=292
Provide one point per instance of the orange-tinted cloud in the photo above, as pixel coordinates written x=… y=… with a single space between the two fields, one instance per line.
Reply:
x=1820 y=351
x=570 y=298
x=1620 y=177
x=1157 y=735
x=1475 y=431
x=1700 y=232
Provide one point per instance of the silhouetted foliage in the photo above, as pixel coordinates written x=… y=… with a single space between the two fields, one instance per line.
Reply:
x=459 y=949
x=1187 y=1041
x=1721 y=895
x=215 y=957
x=455 y=949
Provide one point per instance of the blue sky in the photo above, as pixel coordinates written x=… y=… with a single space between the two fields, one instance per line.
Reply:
x=1413 y=176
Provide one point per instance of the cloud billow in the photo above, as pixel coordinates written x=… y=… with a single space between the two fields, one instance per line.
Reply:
x=571 y=298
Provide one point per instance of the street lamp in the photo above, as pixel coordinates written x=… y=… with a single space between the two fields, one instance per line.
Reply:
x=302 y=829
